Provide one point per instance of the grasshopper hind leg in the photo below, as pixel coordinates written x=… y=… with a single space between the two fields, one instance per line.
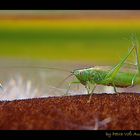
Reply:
x=135 y=44
x=115 y=90
x=114 y=87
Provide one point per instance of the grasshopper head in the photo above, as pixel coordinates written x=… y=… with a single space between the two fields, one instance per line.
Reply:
x=83 y=75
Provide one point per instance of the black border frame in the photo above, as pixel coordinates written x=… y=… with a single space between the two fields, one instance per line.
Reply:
x=70 y=5
x=71 y=134
x=67 y=5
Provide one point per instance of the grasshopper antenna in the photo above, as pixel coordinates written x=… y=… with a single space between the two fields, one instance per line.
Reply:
x=58 y=86
x=65 y=79
x=39 y=67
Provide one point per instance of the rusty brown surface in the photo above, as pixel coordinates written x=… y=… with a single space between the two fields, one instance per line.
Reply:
x=105 y=111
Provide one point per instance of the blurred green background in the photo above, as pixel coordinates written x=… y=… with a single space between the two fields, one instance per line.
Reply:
x=84 y=36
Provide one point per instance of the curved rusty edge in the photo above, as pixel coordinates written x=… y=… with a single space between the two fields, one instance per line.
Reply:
x=104 y=112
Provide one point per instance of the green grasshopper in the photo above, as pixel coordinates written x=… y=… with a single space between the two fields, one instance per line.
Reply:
x=108 y=76
x=93 y=76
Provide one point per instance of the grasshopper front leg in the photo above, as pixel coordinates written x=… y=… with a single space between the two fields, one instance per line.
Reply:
x=91 y=93
x=74 y=82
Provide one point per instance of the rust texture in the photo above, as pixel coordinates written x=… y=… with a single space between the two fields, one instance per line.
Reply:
x=105 y=111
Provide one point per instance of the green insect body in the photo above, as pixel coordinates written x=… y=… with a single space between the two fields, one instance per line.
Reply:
x=116 y=76
x=95 y=76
